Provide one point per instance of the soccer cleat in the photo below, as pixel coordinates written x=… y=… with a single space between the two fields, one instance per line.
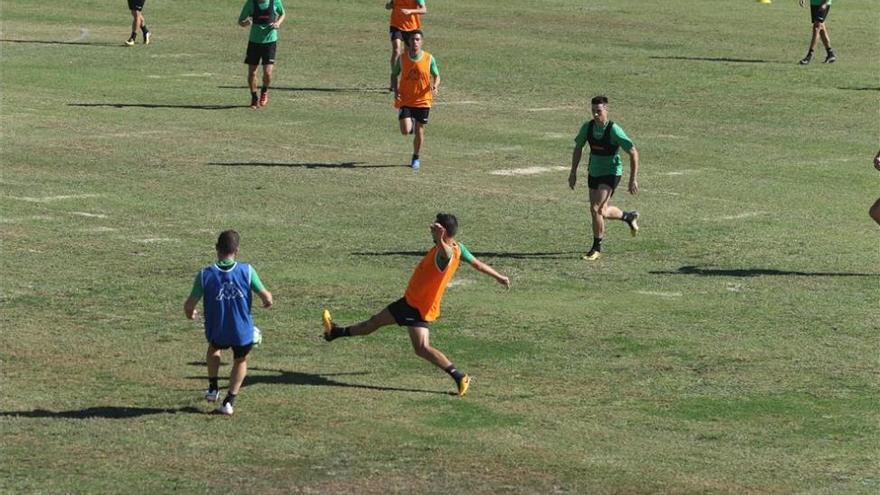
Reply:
x=327 y=322
x=131 y=41
x=593 y=255
x=224 y=409
x=255 y=103
x=806 y=60
x=831 y=58
x=264 y=98
x=147 y=36
x=416 y=164
x=463 y=385
x=633 y=223
x=258 y=337
x=211 y=395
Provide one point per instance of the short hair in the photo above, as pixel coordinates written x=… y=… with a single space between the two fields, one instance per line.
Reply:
x=449 y=222
x=413 y=33
x=227 y=242
x=599 y=100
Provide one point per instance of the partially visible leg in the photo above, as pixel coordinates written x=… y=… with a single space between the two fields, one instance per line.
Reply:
x=237 y=374
x=396 y=51
x=212 y=358
x=135 y=23
x=252 y=84
x=418 y=139
x=332 y=331
x=875 y=211
x=420 y=338
x=267 y=80
x=406 y=125
x=598 y=207
x=830 y=57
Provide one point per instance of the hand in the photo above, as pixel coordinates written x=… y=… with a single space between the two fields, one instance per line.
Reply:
x=438 y=230
x=274 y=25
x=633 y=186
x=406 y=11
x=505 y=281
x=245 y=23
x=390 y=5
x=435 y=90
x=877 y=161
x=572 y=180
x=194 y=315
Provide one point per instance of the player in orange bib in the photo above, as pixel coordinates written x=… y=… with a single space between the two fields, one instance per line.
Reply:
x=420 y=304
x=406 y=17
x=416 y=81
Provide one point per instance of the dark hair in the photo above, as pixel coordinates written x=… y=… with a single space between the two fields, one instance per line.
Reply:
x=449 y=222
x=228 y=242
x=599 y=100
x=413 y=33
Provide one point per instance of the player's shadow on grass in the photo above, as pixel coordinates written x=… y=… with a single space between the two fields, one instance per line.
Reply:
x=78 y=43
x=284 y=377
x=317 y=90
x=481 y=254
x=157 y=105
x=716 y=59
x=861 y=88
x=303 y=165
x=108 y=412
x=754 y=272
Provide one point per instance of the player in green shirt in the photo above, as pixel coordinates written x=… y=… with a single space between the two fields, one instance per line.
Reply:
x=819 y=10
x=603 y=173
x=264 y=17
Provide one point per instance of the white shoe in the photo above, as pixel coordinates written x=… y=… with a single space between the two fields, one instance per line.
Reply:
x=224 y=409
x=211 y=395
x=258 y=337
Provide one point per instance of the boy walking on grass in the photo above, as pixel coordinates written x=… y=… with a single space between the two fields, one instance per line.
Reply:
x=226 y=287
x=819 y=10
x=420 y=304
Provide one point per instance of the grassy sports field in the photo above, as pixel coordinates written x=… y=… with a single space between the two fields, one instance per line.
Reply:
x=731 y=348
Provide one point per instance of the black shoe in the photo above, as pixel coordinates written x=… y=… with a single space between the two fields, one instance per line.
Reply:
x=830 y=58
x=806 y=60
x=633 y=223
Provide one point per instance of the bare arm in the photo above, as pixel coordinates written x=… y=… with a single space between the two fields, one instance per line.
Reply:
x=440 y=234
x=575 y=161
x=435 y=84
x=633 y=170
x=266 y=297
x=278 y=21
x=488 y=270
x=189 y=307
x=419 y=11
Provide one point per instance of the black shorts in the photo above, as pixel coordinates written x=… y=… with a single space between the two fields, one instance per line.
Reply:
x=397 y=34
x=419 y=114
x=238 y=351
x=406 y=315
x=609 y=180
x=136 y=5
x=257 y=52
x=819 y=15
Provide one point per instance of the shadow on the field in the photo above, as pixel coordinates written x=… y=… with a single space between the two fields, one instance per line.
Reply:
x=754 y=272
x=480 y=254
x=717 y=59
x=862 y=88
x=317 y=90
x=156 y=105
x=284 y=377
x=303 y=165
x=79 y=43
x=109 y=412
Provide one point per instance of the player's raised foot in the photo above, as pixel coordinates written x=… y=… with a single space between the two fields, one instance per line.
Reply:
x=592 y=255
x=806 y=60
x=224 y=409
x=830 y=58
x=131 y=41
x=331 y=330
x=147 y=36
x=416 y=164
x=264 y=98
x=211 y=395
x=463 y=385
x=632 y=219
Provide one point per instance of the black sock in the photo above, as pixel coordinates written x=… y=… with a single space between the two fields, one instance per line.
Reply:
x=230 y=399
x=134 y=34
x=212 y=384
x=453 y=372
x=265 y=89
x=627 y=217
x=415 y=156
x=597 y=244
x=253 y=96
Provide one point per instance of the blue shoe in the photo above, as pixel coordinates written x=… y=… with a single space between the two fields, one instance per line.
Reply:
x=415 y=164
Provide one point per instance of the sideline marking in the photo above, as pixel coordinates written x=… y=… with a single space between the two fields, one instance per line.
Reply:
x=747 y=214
x=49 y=199
x=458 y=282
x=527 y=171
x=659 y=294
x=151 y=240
x=688 y=171
x=464 y=102
x=24 y=219
x=86 y=214
x=554 y=135
x=99 y=229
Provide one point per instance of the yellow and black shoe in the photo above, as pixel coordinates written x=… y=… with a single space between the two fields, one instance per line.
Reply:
x=327 y=321
x=463 y=385
x=633 y=222
x=593 y=255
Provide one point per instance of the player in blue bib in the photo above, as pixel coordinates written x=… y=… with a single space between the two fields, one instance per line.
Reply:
x=227 y=286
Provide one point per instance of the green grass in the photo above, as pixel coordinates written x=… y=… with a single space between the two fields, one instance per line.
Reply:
x=731 y=348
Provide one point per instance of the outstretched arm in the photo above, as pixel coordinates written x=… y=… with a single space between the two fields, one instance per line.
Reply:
x=488 y=270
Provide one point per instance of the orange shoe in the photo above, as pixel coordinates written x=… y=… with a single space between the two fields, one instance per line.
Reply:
x=264 y=98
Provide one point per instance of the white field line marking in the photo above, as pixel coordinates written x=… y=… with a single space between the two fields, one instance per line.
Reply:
x=26 y=219
x=550 y=109
x=133 y=134
x=86 y=214
x=555 y=135
x=740 y=216
x=152 y=240
x=49 y=199
x=458 y=282
x=193 y=74
x=99 y=229
x=662 y=136
x=463 y=102
x=680 y=172
x=527 y=171
x=172 y=55
x=83 y=35
x=658 y=294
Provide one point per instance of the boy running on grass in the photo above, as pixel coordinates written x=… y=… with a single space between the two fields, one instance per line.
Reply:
x=226 y=286
x=819 y=10
x=604 y=171
x=420 y=304
x=265 y=18
x=137 y=22
x=415 y=81
x=406 y=17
